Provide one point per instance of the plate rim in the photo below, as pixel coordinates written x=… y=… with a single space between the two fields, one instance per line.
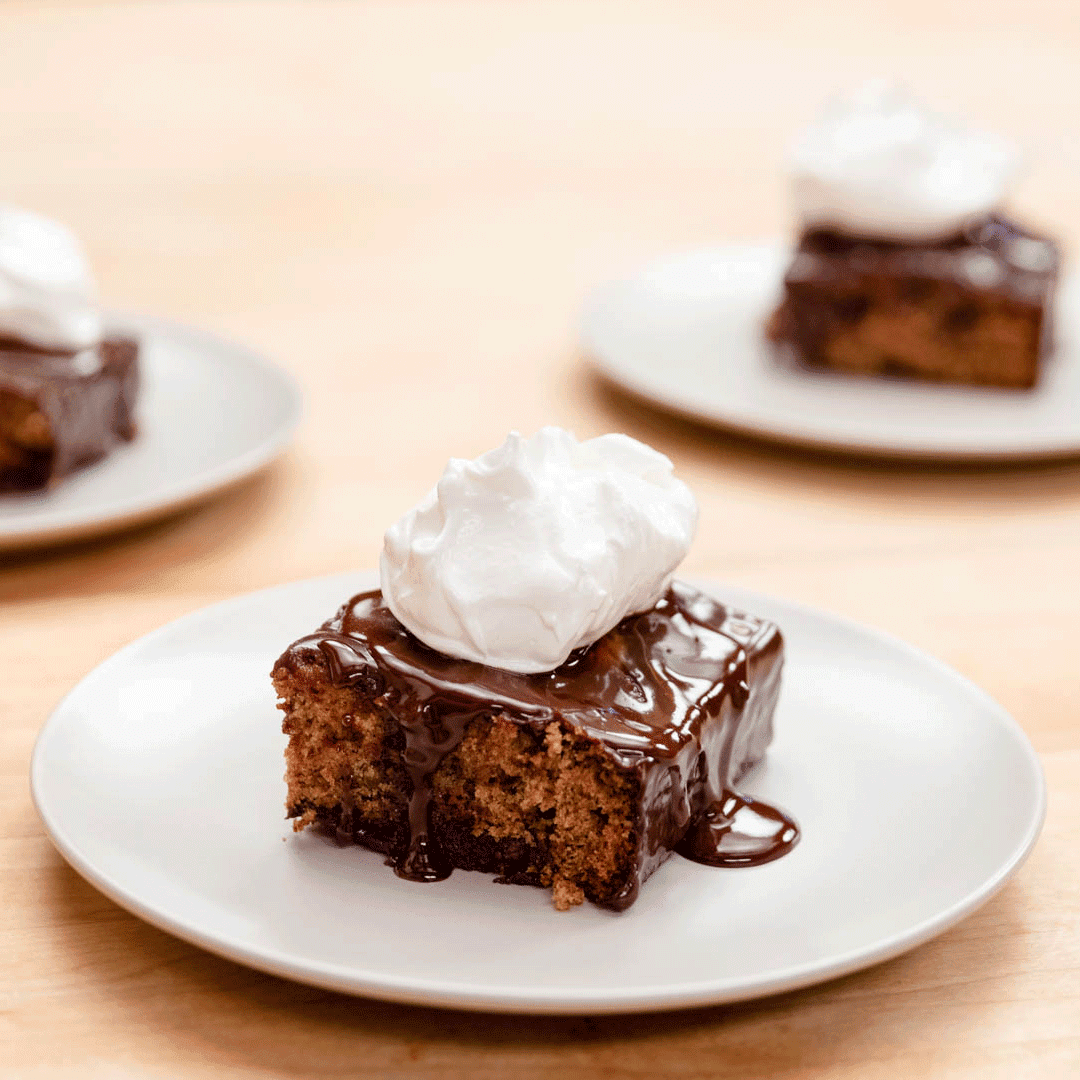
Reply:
x=779 y=432
x=132 y=510
x=524 y=999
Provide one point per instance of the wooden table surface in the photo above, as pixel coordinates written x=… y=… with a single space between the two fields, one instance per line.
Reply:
x=405 y=203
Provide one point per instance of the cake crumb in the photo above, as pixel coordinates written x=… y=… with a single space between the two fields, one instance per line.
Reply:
x=553 y=739
x=565 y=894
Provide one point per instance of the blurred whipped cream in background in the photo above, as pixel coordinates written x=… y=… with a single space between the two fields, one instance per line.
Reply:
x=876 y=163
x=46 y=289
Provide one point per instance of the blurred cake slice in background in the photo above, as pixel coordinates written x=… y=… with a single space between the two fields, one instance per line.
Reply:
x=67 y=388
x=906 y=264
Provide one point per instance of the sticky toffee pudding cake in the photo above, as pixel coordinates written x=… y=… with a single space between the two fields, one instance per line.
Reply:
x=970 y=308
x=67 y=388
x=60 y=412
x=581 y=777
x=905 y=264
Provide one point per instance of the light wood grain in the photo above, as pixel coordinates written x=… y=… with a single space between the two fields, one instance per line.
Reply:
x=404 y=203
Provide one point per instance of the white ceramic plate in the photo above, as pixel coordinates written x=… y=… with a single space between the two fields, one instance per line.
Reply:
x=686 y=334
x=209 y=412
x=159 y=779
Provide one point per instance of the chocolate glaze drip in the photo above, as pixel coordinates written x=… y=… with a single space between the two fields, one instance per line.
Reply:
x=682 y=696
x=739 y=831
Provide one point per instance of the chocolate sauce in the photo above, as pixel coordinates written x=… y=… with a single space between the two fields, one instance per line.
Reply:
x=739 y=831
x=681 y=697
x=993 y=254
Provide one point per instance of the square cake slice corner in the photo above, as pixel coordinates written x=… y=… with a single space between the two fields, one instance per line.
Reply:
x=582 y=780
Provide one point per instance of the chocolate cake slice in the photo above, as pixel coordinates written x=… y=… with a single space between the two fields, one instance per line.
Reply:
x=971 y=308
x=62 y=411
x=583 y=779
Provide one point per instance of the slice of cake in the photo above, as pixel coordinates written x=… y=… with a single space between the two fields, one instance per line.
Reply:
x=905 y=265
x=67 y=389
x=971 y=308
x=60 y=412
x=581 y=775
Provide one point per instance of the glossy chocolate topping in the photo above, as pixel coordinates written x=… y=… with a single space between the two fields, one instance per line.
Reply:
x=681 y=695
x=994 y=254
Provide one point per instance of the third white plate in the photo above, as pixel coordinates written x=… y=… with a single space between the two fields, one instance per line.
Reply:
x=209 y=413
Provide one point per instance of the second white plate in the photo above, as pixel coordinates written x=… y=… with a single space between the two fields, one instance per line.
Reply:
x=159 y=779
x=209 y=413
x=687 y=333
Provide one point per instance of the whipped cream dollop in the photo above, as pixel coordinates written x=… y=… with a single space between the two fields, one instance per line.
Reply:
x=537 y=548
x=46 y=290
x=878 y=164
